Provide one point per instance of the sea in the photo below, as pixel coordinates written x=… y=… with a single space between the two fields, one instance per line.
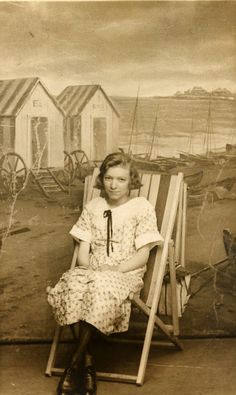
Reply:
x=175 y=125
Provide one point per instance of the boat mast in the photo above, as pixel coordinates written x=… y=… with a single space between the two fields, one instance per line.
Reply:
x=133 y=122
x=190 y=141
x=153 y=135
x=208 y=139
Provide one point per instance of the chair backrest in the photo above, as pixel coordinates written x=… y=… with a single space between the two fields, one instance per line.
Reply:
x=163 y=192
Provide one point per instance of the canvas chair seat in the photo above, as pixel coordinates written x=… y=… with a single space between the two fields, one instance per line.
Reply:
x=167 y=193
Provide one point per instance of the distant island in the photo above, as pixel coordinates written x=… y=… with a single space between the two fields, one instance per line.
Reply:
x=199 y=92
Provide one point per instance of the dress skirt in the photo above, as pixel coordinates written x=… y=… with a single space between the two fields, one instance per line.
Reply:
x=102 y=298
x=99 y=298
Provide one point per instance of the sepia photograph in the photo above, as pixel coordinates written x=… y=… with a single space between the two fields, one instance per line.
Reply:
x=118 y=197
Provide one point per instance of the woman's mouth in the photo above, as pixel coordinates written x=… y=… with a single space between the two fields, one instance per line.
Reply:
x=114 y=192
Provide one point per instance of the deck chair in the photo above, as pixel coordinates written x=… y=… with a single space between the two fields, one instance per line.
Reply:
x=167 y=193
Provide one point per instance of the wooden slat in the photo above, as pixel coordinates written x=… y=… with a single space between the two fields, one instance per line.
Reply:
x=179 y=227
x=96 y=193
x=124 y=378
x=168 y=204
x=87 y=183
x=144 y=190
x=127 y=378
x=154 y=188
x=164 y=198
x=166 y=231
x=167 y=329
x=52 y=355
x=182 y=255
x=91 y=181
x=161 y=198
x=173 y=285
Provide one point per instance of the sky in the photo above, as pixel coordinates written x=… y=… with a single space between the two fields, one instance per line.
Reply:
x=157 y=47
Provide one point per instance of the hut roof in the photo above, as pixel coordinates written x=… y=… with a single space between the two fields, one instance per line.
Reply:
x=15 y=92
x=74 y=98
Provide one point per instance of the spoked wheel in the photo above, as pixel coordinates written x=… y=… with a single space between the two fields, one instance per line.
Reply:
x=83 y=165
x=69 y=169
x=13 y=173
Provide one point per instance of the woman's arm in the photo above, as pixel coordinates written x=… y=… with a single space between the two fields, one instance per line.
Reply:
x=136 y=262
x=83 y=254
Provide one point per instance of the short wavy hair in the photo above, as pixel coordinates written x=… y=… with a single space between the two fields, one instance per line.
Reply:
x=118 y=159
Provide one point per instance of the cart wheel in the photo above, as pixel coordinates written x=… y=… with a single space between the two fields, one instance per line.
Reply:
x=80 y=156
x=13 y=173
x=83 y=166
x=69 y=169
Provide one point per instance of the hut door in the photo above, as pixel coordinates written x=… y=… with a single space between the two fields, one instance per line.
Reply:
x=100 y=138
x=39 y=133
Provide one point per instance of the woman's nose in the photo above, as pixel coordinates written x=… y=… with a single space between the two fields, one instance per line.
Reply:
x=113 y=184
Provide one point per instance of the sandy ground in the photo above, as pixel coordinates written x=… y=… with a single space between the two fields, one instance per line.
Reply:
x=32 y=260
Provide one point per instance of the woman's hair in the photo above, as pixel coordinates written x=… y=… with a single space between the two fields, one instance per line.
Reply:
x=118 y=159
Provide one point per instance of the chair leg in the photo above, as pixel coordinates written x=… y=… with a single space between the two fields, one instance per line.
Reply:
x=53 y=350
x=179 y=228
x=182 y=258
x=145 y=351
x=173 y=284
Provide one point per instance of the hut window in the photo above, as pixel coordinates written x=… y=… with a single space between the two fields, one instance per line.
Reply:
x=37 y=103
x=75 y=132
x=12 y=133
x=7 y=133
x=98 y=106
x=39 y=133
x=100 y=137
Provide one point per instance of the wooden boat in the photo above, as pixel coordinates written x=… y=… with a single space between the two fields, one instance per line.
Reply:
x=207 y=158
x=231 y=148
x=148 y=165
x=227 y=183
x=193 y=179
x=145 y=161
x=196 y=200
x=161 y=163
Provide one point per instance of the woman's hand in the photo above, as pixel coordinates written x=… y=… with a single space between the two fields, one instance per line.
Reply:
x=135 y=262
x=105 y=268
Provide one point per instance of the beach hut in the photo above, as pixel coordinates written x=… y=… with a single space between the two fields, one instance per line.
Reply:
x=31 y=123
x=92 y=121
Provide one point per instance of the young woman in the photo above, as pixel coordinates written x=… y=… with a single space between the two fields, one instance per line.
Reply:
x=115 y=235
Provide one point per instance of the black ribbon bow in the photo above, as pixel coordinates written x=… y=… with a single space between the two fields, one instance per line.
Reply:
x=108 y=214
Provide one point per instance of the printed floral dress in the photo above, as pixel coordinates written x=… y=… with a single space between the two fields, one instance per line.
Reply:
x=103 y=298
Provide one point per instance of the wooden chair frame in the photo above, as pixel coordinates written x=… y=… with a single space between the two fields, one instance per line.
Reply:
x=171 y=252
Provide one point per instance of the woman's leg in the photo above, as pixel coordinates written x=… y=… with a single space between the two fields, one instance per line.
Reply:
x=86 y=331
x=90 y=384
x=76 y=376
x=82 y=359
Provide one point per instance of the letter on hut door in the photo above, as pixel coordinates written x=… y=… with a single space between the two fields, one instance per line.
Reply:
x=39 y=133
x=99 y=138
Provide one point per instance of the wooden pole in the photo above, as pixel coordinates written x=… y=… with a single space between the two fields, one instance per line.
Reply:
x=182 y=259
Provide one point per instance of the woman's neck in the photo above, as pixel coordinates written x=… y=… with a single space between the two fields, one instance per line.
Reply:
x=112 y=203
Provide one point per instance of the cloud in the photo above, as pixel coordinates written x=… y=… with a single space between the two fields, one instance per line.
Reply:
x=120 y=44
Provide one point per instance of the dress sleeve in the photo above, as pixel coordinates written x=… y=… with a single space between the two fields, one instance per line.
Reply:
x=81 y=231
x=146 y=230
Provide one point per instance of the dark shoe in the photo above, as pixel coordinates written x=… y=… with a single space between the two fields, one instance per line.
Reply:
x=69 y=382
x=90 y=384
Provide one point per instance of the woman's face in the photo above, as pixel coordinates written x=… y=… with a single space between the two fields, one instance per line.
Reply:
x=116 y=184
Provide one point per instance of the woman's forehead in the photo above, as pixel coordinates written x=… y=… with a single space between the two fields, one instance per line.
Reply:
x=118 y=171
